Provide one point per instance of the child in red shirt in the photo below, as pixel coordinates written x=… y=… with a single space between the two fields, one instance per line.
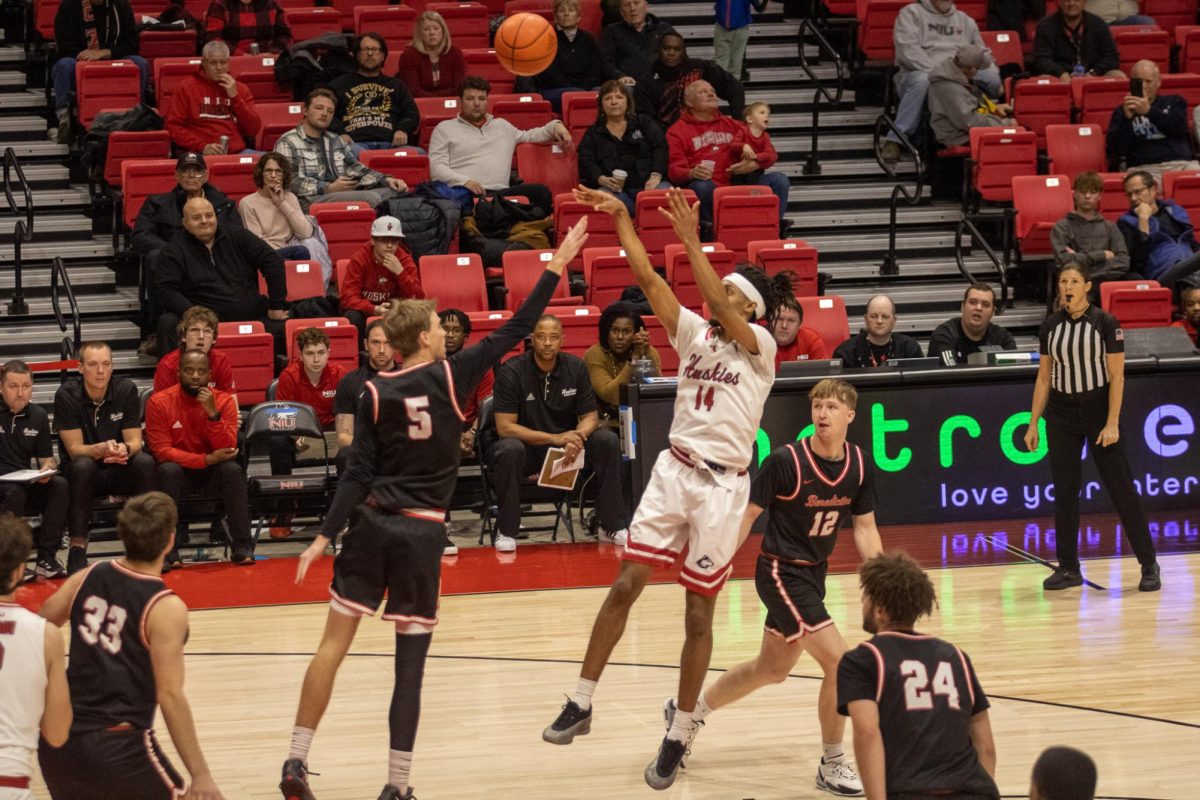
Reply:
x=756 y=117
x=1189 y=304
x=381 y=271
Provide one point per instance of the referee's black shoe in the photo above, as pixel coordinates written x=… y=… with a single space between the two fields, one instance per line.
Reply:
x=1062 y=579
x=1150 y=582
x=660 y=773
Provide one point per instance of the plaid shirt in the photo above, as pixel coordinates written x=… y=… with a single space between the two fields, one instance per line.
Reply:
x=312 y=166
x=239 y=25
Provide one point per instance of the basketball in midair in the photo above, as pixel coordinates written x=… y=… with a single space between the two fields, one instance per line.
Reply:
x=525 y=44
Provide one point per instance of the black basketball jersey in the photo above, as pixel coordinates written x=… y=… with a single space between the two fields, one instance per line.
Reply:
x=410 y=422
x=927 y=693
x=110 y=674
x=809 y=498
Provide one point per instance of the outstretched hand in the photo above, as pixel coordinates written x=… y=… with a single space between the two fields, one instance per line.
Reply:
x=684 y=219
x=600 y=201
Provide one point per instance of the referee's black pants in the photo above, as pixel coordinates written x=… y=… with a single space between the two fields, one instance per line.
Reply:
x=1072 y=420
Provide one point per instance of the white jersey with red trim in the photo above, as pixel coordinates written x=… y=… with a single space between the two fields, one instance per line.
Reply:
x=721 y=391
x=22 y=687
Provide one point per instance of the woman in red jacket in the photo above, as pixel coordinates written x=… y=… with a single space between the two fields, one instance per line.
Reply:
x=381 y=271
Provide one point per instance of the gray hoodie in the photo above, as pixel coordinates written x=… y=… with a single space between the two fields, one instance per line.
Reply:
x=923 y=37
x=953 y=104
x=1090 y=238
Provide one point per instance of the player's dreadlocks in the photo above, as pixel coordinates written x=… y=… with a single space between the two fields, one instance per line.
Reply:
x=775 y=289
x=897 y=584
x=16 y=541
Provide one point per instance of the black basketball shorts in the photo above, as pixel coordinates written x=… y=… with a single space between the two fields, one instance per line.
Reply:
x=109 y=764
x=794 y=596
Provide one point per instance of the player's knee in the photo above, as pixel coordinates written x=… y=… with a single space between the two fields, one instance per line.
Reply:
x=774 y=671
x=697 y=624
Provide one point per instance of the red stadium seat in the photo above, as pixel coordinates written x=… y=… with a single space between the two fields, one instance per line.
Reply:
x=346 y=9
x=654 y=229
x=876 y=19
x=347 y=226
x=400 y=163
x=1185 y=85
x=251 y=352
x=343 y=338
x=484 y=322
x=304 y=280
x=309 y=23
x=1137 y=304
x=468 y=23
x=1074 y=149
x=482 y=62
x=1135 y=43
x=522 y=269
x=661 y=342
x=997 y=156
x=1188 y=39
x=516 y=97
x=168 y=74
x=1184 y=189
x=549 y=164
x=1113 y=201
x=277 y=119
x=590 y=17
x=681 y=277
x=395 y=24
x=827 y=315
x=777 y=255
x=434 y=110
x=579 y=110
x=153 y=45
x=142 y=178
x=455 y=280
x=105 y=86
x=607 y=273
x=1005 y=46
x=1040 y=201
x=258 y=73
x=133 y=145
x=543 y=8
x=1097 y=97
x=601 y=230
x=233 y=175
x=524 y=115
x=579 y=327
x=1039 y=102
x=44 y=12
x=742 y=214
x=1170 y=14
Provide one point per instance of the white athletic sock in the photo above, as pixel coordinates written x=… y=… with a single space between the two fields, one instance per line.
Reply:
x=833 y=752
x=681 y=726
x=702 y=710
x=301 y=742
x=399 y=765
x=583 y=693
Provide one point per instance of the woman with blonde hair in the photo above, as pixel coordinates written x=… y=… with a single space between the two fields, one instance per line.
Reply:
x=431 y=66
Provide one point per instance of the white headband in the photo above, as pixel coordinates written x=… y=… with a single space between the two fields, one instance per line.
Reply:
x=740 y=281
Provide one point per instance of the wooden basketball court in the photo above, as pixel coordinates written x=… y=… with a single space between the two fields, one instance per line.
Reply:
x=1111 y=672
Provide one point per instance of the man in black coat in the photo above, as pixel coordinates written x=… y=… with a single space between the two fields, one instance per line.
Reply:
x=576 y=65
x=628 y=47
x=877 y=343
x=1071 y=43
x=218 y=268
x=659 y=93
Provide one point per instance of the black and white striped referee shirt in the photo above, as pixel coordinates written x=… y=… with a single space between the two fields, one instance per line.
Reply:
x=1078 y=348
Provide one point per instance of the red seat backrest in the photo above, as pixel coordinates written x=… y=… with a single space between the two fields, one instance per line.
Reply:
x=1135 y=43
x=744 y=213
x=133 y=145
x=1184 y=189
x=681 y=277
x=1040 y=201
x=251 y=352
x=550 y=164
x=1005 y=45
x=395 y=24
x=601 y=230
x=1113 y=201
x=1075 y=148
x=258 y=73
x=169 y=72
x=524 y=114
x=468 y=22
x=233 y=175
x=999 y=155
x=522 y=269
x=434 y=110
x=401 y=163
x=304 y=279
x=1038 y=102
x=579 y=327
x=827 y=315
x=277 y=119
x=346 y=228
x=777 y=255
x=106 y=86
x=1148 y=307
x=543 y=8
x=654 y=229
x=482 y=62
x=308 y=23
x=142 y=178
x=1097 y=97
x=343 y=338
x=661 y=342
x=346 y=9
x=579 y=110
x=876 y=20
x=455 y=280
x=153 y=45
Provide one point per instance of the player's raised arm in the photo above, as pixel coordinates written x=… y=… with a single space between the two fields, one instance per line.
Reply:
x=662 y=300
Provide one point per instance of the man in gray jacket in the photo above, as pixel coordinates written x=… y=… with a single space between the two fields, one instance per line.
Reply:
x=926 y=33
x=1085 y=236
x=956 y=105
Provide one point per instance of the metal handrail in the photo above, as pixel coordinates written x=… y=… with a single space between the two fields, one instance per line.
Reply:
x=813 y=165
x=23 y=231
x=885 y=123
x=58 y=273
x=967 y=225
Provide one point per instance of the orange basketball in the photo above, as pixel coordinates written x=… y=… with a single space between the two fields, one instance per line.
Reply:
x=526 y=44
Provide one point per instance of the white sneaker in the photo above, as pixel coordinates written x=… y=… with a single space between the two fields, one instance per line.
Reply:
x=838 y=777
x=505 y=544
x=450 y=549
x=616 y=537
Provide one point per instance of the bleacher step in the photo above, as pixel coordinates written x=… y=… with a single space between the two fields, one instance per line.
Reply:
x=12 y=55
x=29 y=336
x=23 y=127
x=121 y=301
x=12 y=81
x=760 y=32
x=857 y=218
x=824 y=196
x=844 y=168
x=865 y=271
x=42 y=150
x=27 y=100
x=47 y=176
x=43 y=199
x=799 y=96
x=95 y=248
x=38 y=278
x=47 y=228
x=795 y=144
x=858 y=245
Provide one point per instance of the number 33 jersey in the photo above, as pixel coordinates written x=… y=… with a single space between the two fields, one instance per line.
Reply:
x=721 y=391
x=109 y=672
x=809 y=498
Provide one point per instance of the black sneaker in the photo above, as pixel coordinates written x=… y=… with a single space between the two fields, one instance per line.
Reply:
x=660 y=773
x=76 y=559
x=572 y=721
x=392 y=793
x=1062 y=579
x=1150 y=582
x=294 y=784
x=50 y=568
x=172 y=561
x=242 y=556
x=29 y=576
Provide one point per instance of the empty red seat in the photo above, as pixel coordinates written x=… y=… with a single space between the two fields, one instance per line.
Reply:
x=1097 y=97
x=233 y=175
x=394 y=23
x=406 y=165
x=1005 y=46
x=258 y=73
x=549 y=164
x=997 y=156
x=105 y=86
x=1073 y=149
x=133 y=145
x=482 y=62
x=1039 y=102
x=304 y=279
x=1185 y=85
x=742 y=214
x=153 y=45
x=1113 y=200
x=1040 y=201
x=1135 y=43
x=434 y=110
x=468 y=23
x=1184 y=189
x=343 y=338
x=876 y=19
x=681 y=276
x=309 y=23
x=607 y=273
x=139 y=180
x=455 y=281
x=522 y=269
x=777 y=255
x=277 y=119
x=524 y=114
x=1137 y=304
x=346 y=9
x=543 y=8
x=827 y=315
x=251 y=352
x=1170 y=14
x=347 y=226
x=579 y=110
x=484 y=322
x=654 y=229
x=601 y=231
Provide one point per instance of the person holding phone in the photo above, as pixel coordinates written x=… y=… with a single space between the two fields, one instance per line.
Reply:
x=1149 y=130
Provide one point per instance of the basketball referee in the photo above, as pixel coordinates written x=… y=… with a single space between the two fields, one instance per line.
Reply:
x=1080 y=384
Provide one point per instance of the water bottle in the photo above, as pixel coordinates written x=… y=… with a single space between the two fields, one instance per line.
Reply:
x=255 y=49
x=643 y=369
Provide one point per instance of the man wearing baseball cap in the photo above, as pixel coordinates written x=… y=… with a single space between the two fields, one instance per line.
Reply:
x=956 y=104
x=381 y=271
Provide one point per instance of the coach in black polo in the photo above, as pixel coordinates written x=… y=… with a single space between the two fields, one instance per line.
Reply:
x=544 y=399
x=25 y=437
x=99 y=421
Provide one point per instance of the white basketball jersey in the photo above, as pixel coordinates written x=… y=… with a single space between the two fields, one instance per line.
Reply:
x=721 y=392
x=22 y=687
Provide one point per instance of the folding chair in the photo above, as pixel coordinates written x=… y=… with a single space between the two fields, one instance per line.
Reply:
x=1040 y=201
x=1038 y=102
x=997 y=156
x=1137 y=304
x=271 y=495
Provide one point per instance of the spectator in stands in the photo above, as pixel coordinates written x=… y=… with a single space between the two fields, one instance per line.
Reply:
x=431 y=66
x=795 y=342
x=576 y=65
x=1150 y=131
x=310 y=378
x=380 y=357
x=1011 y=15
x=877 y=343
x=1063 y=773
x=161 y=218
x=218 y=268
x=457 y=326
x=610 y=361
x=193 y=431
x=1189 y=309
x=25 y=438
x=622 y=139
x=197 y=331
x=708 y=149
x=926 y=33
x=1119 y=12
x=98 y=417
x=972 y=331
x=95 y=30
x=544 y=399
x=1158 y=232
x=1085 y=236
x=273 y=213
x=474 y=150
x=659 y=91
x=243 y=24
x=731 y=33
x=629 y=47
x=1071 y=43
x=211 y=105
x=956 y=105
x=374 y=112
x=325 y=167
x=381 y=271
